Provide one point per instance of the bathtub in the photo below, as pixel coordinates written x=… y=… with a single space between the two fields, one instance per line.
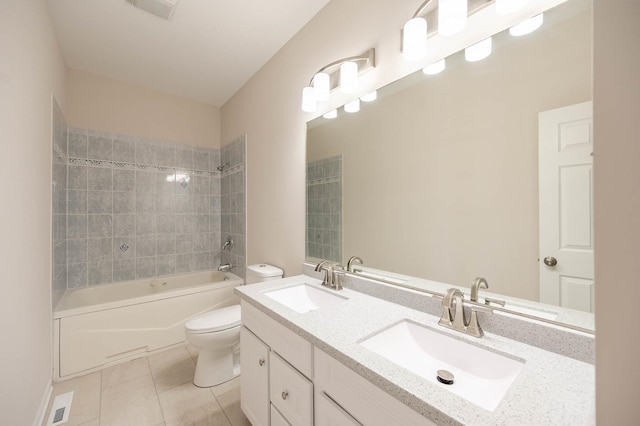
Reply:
x=103 y=325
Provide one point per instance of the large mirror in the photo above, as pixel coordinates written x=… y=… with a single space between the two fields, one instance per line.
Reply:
x=439 y=178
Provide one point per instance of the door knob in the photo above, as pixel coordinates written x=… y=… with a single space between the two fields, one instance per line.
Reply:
x=550 y=261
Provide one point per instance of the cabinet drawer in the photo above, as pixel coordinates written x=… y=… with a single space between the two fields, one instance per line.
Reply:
x=291 y=393
x=328 y=413
x=297 y=351
x=367 y=403
x=277 y=419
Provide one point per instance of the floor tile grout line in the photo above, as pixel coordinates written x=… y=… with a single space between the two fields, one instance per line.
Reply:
x=153 y=380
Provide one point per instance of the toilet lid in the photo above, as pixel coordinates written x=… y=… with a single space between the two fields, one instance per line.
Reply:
x=216 y=320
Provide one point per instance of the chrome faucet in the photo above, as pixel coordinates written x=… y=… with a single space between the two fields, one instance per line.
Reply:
x=321 y=267
x=352 y=260
x=482 y=283
x=224 y=267
x=456 y=320
x=331 y=275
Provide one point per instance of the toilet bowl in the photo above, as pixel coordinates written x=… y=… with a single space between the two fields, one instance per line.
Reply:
x=216 y=334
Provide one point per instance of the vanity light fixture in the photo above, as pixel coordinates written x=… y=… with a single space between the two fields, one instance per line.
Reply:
x=353 y=106
x=505 y=7
x=528 y=26
x=435 y=68
x=322 y=86
x=328 y=78
x=452 y=16
x=370 y=97
x=331 y=114
x=414 y=38
x=349 y=77
x=478 y=51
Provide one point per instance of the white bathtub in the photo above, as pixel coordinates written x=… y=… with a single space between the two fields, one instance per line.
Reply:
x=107 y=324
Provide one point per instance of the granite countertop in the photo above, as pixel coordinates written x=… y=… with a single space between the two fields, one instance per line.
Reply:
x=551 y=389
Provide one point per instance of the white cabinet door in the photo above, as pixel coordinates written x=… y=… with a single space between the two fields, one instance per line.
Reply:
x=277 y=419
x=254 y=380
x=566 y=207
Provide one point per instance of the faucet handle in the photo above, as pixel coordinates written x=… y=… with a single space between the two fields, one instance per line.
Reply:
x=474 y=328
x=489 y=300
x=338 y=273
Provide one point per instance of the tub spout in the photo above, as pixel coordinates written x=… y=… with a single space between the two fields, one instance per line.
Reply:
x=225 y=267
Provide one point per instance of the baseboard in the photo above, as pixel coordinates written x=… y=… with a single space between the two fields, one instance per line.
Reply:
x=44 y=403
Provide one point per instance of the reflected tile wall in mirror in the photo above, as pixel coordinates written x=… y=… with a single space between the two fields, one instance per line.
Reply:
x=324 y=209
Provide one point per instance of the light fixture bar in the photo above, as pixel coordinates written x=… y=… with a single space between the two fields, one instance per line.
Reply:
x=366 y=61
x=422 y=8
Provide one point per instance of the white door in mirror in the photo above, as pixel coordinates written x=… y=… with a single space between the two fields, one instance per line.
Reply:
x=566 y=206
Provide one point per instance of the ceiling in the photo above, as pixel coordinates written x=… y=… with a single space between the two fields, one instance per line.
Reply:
x=208 y=50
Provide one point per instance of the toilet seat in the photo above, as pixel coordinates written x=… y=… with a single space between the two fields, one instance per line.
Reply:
x=216 y=320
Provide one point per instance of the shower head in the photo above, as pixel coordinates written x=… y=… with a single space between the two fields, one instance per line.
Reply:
x=221 y=168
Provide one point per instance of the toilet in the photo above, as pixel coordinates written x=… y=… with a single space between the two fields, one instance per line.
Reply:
x=216 y=334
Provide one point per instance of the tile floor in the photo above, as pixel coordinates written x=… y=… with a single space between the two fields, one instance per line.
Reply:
x=155 y=390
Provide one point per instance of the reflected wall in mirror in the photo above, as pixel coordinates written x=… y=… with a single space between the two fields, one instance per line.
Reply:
x=440 y=174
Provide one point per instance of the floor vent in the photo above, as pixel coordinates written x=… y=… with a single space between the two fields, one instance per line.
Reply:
x=60 y=409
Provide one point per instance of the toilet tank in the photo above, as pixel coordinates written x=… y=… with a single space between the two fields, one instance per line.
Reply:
x=262 y=272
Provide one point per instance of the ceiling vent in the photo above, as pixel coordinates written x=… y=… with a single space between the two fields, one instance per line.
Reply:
x=161 y=8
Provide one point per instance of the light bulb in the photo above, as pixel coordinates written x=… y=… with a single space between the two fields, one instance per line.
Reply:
x=478 y=51
x=452 y=16
x=528 y=26
x=349 y=77
x=435 y=68
x=414 y=39
x=505 y=7
x=370 y=97
x=353 y=106
x=321 y=86
x=309 y=101
x=331 y=114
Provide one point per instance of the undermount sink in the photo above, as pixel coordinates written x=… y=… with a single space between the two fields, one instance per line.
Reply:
x=481 y=376
x=304 y=297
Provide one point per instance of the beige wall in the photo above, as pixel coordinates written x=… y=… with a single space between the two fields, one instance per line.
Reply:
x=440 y=180
x=102 y=103
x=617 y=209
x=31 y=68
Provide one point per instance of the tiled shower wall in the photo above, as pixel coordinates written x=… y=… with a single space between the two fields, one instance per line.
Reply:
x=128 y=208
x=324 y=209
x=139 y=208
x=233 y=220
x=59 y=200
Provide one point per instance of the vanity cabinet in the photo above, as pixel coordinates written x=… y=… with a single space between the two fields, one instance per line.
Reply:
x=286 y=381
x=276 y=366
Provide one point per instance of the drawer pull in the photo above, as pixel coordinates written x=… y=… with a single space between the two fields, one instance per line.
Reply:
x=285 y=394
x=261 y=362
